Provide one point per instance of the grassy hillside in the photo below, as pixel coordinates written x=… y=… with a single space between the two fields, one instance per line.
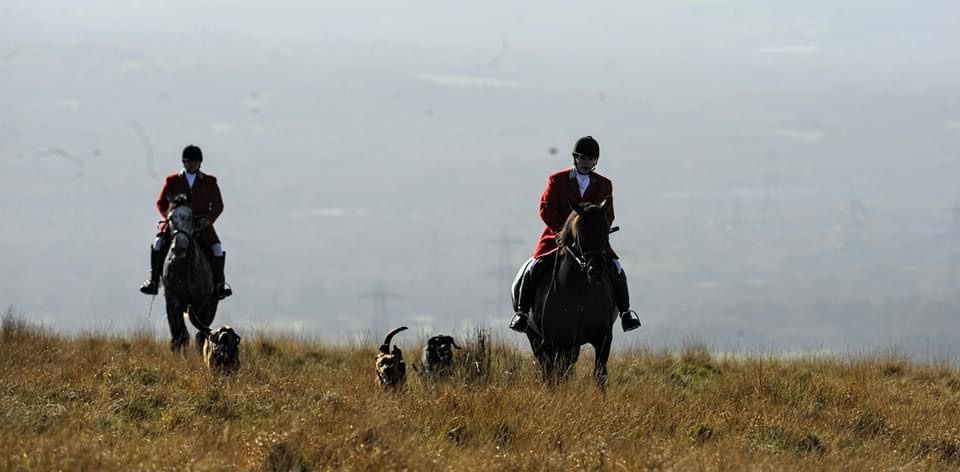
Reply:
x=121 y=402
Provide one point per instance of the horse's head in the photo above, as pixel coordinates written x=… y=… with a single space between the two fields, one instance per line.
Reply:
x=181 y=224
x=589 y=235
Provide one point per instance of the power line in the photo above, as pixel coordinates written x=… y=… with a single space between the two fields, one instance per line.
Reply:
x=379 y=295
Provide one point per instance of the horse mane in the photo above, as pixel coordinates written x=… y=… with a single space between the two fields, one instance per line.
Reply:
x=568 y=234
x=179 y=200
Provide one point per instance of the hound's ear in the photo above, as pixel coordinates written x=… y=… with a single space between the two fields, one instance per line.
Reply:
x=452 y=342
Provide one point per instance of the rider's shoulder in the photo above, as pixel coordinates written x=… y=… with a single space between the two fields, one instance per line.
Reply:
x=208 y=176
x=601 y=179
x=560 y=175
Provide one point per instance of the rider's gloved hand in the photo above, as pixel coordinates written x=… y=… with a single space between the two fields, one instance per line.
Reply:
x=202 y=222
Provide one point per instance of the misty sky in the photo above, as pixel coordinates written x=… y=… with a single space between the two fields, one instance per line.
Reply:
x=784 y=172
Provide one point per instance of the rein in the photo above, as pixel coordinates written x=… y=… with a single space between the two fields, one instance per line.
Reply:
x=175 y=232
x=200 y=224
x=581 y=259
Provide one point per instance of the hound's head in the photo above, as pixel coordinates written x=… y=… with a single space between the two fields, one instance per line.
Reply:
x=225 y=344
x=440 y=348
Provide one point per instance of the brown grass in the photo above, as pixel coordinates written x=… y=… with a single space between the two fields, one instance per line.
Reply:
x=100 y=402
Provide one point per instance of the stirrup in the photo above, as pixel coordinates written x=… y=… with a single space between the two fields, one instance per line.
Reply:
x=224 y=290
x=519 y=322
x=150 y=288
x=629 y=320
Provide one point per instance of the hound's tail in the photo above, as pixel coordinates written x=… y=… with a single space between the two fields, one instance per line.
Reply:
x=386 y=340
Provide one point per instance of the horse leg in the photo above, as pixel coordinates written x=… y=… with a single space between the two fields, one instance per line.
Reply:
x=545 y=360
x=204 y=315
x=199 y=336
x=602 y=350
x=551 y=365
x=208 y=311
x=200 y=339
x=178 y=330
x=568 y=358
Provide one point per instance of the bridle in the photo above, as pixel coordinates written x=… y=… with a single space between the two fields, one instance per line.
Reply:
x=584 y=257
x=189 y=233
x=175 y=231
x=196 y=227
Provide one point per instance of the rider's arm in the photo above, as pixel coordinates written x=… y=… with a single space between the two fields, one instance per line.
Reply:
x=163 y=205
x=607 y=192
x=551 y=208
x=610 y=214
x=216 y=202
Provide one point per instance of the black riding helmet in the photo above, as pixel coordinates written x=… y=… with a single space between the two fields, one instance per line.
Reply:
x=192 y=153
x=587 y=147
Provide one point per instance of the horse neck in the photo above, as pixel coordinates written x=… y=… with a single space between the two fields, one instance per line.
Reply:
x=570 y=278
x=192 y=263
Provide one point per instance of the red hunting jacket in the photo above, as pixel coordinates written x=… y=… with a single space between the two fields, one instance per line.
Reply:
x=555 y=206
x=205 y=200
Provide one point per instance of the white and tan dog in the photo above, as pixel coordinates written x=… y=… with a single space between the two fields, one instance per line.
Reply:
x=221 y=350
x=221 y=347
x=391 y=370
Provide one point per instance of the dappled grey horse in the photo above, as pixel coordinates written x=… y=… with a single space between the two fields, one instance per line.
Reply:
x=187 y=277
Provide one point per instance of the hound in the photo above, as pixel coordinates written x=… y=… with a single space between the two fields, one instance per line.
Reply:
x=438 y=355
x=391 y=370
x=221 y=348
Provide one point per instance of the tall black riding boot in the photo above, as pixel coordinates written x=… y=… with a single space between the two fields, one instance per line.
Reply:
x=629 y=320
x=524 y=295
x=152 y=285
x=219 y=281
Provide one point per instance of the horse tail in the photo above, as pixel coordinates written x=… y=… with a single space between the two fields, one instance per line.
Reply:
x=188 y=314
x=386 y=340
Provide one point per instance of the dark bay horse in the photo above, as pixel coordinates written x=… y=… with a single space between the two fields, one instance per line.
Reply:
x=188 y=285
x=575 y=304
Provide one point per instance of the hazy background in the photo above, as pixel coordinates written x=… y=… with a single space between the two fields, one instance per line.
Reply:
x=785 y=172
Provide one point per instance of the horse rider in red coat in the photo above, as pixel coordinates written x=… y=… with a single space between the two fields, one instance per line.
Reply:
x=579 y=184
x=207 y=205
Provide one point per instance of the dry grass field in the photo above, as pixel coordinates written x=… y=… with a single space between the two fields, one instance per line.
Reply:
x=101 y=402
